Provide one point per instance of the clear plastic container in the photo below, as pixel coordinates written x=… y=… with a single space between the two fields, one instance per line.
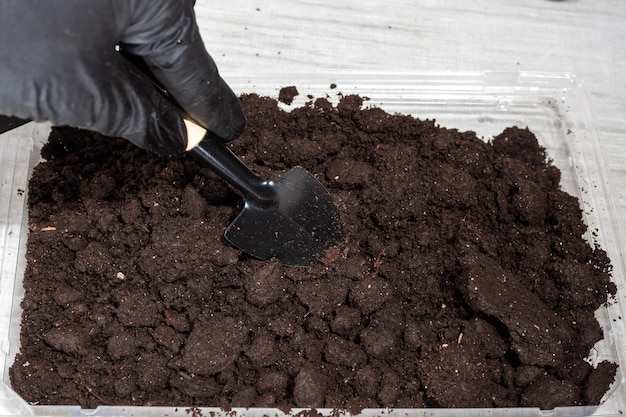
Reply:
x=554 y=106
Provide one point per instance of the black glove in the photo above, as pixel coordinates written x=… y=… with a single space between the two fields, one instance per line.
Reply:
x=60 y=62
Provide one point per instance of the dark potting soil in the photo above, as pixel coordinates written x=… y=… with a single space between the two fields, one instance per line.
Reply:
x=464 y=280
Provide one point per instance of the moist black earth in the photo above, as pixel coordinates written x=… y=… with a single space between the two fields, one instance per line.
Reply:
x=464 y=280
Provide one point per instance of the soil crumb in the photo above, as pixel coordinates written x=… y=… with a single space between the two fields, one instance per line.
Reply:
x=464 y=280
x=287 y=94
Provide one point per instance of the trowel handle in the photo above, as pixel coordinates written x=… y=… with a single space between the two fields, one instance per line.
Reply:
x=9 y=122
x=213 y=152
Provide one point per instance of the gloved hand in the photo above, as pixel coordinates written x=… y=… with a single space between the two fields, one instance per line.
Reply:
x=60 y=62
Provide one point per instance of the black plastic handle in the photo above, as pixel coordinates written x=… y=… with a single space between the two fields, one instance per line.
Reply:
x=9 y=122
x=216 y=155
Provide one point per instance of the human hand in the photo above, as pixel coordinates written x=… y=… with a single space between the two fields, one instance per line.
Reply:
x=60 y=61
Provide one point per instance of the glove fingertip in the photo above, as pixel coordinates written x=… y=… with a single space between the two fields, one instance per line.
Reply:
x=235 y=128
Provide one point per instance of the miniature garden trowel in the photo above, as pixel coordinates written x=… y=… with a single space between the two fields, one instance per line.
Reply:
x=291 y=218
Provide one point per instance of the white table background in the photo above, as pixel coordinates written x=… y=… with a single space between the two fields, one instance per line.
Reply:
x=584 y=37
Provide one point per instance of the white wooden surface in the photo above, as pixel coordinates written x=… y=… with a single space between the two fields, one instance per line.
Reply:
x=583 y=37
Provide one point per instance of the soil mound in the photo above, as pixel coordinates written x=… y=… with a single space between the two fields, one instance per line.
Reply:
x=464 y=280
